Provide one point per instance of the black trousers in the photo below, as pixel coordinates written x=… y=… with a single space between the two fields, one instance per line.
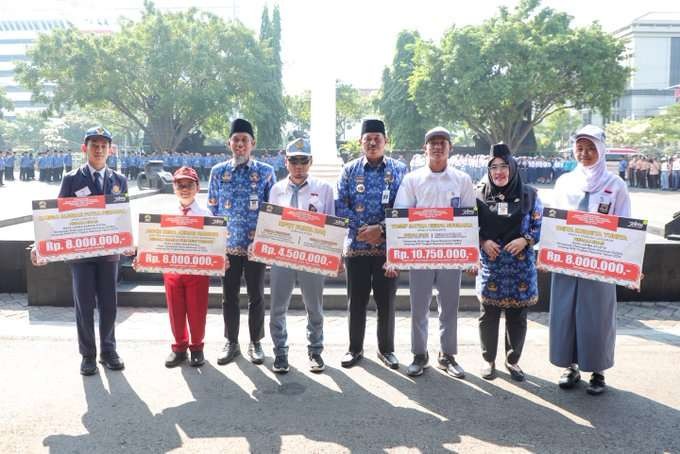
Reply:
x=515 y=331
x=365 y=273
x=94 y=285
x=231 y=287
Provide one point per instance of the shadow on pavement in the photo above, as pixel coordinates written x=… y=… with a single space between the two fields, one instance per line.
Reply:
x=368 y=409
x=116 y=420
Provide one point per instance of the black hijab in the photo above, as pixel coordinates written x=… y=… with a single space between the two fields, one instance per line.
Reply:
x=519 y=197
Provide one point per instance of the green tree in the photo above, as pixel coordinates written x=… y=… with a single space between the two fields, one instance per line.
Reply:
x=508 y=74
x=554 y=133
x=350 y=107
x=5 y=102
x=266 y=106
x=405 y=124
x=167 y=73
x=26 y=131
x=299 y=110
x=665 y=129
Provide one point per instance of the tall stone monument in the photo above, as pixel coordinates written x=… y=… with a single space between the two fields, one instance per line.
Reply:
x=327 y=164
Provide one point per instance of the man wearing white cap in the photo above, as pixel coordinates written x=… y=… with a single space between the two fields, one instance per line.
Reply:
x=303 y=192
x=436 y=185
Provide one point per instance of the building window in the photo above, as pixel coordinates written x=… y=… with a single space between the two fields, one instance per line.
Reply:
x=675 y=62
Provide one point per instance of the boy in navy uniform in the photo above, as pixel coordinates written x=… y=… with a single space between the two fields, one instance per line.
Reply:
x=94 y=279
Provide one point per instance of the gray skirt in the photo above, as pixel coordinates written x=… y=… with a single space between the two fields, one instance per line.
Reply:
x=582 y=323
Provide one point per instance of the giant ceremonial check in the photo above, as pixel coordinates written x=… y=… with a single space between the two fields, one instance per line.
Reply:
x=432 y=238
x=592 y=245
x=299 y=239
x=80 y=227
x=181 y=244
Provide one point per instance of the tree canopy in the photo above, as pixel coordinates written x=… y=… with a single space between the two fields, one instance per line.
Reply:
x=406 y=125
x=299 y=110
x=350 y=107
x=508 y=74
x=655 y=135
x=266 y=107
x=167 y=73
x=5 y=102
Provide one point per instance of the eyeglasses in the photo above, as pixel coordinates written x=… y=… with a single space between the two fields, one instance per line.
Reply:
x=298 y=161
x=185 y=185
x=499 y=168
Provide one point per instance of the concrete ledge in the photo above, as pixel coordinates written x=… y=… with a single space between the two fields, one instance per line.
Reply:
x=13 y=266
x=51 y=284
x=334 y=298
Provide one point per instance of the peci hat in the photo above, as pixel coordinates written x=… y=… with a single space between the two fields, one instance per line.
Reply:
x=372 y=125
x=97 y=131
x=500 y=150
x=437 y=131
x=241 y=125
x=299 y=147
x=185 y=173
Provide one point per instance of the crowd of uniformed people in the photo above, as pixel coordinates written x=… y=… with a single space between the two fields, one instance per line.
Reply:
x=583 y=311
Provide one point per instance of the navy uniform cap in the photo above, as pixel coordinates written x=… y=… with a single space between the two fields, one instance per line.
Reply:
x=97 y=131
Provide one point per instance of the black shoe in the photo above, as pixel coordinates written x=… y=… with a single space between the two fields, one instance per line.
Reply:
x=515 y=372
x=111 y=360
x=230 y=351
x=316 y=363
x=197 y=359
x=281 y=364
x=389 y=360
x=420 y=363
x=174 y=359
x=569 y=378
x=448 y=363
x=255 y=353
x=596 y=385
x=350 y=359
x=88 y=366
x=488 y=371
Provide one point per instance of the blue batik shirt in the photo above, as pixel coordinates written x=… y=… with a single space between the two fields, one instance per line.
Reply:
x=360 y=198
x=236 y=192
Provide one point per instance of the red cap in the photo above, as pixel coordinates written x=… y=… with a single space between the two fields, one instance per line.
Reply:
x=185 y=173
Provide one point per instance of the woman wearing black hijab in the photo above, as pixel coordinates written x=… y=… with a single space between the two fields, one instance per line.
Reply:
x=510 y=215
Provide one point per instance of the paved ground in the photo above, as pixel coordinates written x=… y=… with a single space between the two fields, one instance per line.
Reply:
x=46 y=406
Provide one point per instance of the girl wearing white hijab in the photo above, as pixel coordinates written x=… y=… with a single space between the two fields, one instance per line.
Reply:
x=583 y=311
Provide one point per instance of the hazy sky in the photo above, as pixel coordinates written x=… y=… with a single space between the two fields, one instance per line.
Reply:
x=358 y=34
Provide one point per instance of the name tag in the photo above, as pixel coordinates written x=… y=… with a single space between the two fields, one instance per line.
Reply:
x=604 y=205
x=386 y=197
x=253 y=202
x=83 y=192
x=502 y=208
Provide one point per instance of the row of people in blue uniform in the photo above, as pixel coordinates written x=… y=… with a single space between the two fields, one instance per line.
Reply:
x=51 y=165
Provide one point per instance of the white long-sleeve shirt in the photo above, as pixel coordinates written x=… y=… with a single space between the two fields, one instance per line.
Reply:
x=567 y=196
x=424 y=188
x=195 y=210
x=316 y=195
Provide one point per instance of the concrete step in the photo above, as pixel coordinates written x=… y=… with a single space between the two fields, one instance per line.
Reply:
x=335 y=297
x=129 y=275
